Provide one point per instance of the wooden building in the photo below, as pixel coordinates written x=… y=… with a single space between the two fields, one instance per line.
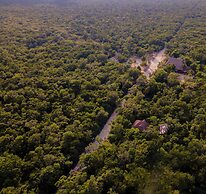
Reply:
x=141 y=125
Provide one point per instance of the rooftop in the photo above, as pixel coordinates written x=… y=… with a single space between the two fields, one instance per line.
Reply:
x=163 y=129
x=140 y=124
x=177 y=62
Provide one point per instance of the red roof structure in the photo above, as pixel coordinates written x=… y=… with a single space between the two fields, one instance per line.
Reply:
x=141 y=125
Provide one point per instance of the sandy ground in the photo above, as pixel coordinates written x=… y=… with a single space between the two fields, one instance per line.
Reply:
x=152 y=64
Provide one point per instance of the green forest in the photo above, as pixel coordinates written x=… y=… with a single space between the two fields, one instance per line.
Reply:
x=65 y=68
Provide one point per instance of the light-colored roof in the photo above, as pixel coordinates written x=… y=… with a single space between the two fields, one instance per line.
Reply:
x=163 y=129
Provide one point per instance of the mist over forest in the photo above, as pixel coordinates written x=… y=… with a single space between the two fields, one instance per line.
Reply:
x=90 y=2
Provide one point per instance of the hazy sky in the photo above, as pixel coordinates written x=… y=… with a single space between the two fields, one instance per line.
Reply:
x=71 y=2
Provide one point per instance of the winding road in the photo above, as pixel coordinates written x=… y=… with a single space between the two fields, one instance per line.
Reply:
x=152 y=65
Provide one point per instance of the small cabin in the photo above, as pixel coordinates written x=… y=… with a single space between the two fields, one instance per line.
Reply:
x=163 y=129
x=141 y=125
x=179 y=64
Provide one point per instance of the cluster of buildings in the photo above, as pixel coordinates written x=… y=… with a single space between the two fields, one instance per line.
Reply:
x=142 y=125
x=180 y=68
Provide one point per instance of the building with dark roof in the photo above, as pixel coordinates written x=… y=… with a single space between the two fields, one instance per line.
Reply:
x=141 y=125
x=179 y=64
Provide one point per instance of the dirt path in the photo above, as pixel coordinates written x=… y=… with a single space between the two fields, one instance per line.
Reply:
x=107 y=127
x=104 y=134
x=153 y=63
x=137 y=63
